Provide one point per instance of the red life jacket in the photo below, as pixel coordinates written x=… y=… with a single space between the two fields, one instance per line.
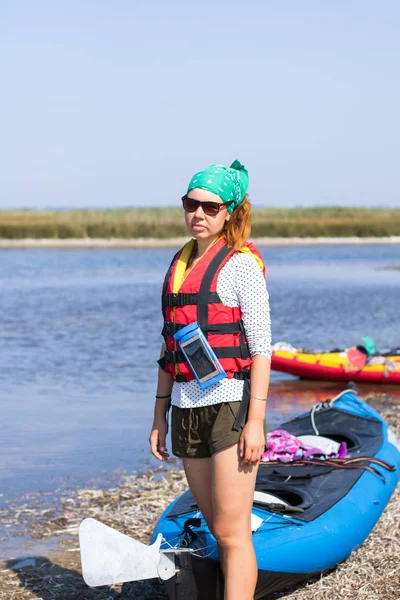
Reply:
x=195 y=299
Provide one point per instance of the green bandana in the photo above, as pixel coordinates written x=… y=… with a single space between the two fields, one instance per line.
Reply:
x=228 y=184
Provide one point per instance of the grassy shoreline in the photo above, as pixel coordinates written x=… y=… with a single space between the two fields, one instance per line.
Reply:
x=168 y=223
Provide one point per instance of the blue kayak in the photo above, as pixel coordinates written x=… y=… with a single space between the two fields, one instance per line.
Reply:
x=307 y=515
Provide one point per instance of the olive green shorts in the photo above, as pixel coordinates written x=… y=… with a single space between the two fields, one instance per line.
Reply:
x=202 y=431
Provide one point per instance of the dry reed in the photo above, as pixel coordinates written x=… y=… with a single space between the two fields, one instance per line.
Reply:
x=165 y=223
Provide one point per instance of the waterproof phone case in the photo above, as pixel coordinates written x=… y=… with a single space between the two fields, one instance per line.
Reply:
x=198 y=353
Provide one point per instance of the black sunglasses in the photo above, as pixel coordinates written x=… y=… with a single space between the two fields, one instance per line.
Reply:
x=209 y=208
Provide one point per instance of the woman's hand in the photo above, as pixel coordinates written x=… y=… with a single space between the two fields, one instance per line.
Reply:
x=252 y=442
x=157 y=439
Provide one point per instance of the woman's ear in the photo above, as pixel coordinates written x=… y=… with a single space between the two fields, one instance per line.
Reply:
x=227 y=218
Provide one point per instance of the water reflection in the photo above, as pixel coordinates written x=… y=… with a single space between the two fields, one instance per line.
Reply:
x=289 y=398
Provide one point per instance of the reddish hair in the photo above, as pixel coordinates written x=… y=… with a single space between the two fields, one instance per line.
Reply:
x=237 y=229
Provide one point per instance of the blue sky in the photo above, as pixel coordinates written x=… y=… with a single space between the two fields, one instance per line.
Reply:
x=118 y=103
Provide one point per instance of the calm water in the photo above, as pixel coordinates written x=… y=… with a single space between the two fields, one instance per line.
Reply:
x=80 y=335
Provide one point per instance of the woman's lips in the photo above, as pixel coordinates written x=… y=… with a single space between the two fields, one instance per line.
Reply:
x=198 y=226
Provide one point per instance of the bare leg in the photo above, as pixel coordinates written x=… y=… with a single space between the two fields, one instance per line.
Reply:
x=199 y=475
x=232 y=492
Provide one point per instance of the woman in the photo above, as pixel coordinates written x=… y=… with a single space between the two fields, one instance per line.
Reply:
x=217 y=279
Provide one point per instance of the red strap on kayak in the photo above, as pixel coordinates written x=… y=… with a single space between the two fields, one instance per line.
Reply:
x=340 y=463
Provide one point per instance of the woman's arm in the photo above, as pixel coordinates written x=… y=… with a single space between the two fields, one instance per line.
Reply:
x=259 y=383
x=160 y=427
x=164 y=388
x=252 y=441
x=253 y=300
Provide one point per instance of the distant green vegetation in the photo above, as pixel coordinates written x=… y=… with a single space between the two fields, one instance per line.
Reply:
x=168 y=222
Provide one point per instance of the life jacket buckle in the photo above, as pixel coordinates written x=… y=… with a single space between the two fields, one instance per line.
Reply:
x=168 y=329
x=173 y=356
x=173 y=299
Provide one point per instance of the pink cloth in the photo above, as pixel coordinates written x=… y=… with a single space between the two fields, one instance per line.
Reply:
x=286 y=447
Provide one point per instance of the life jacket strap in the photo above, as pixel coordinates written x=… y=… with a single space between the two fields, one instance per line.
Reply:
x=181 y=299
x=176 y=356
x=241 y=375
x=218 y=328
x=243 y=408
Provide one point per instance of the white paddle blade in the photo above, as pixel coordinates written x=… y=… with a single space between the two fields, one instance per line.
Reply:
x=110 y=557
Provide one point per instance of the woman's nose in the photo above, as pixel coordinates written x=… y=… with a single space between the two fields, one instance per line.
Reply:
x=199 y=213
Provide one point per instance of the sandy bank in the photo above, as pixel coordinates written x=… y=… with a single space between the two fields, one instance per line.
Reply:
x=177 y=242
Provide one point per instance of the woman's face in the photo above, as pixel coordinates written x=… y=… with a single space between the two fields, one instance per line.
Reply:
x=200 y=225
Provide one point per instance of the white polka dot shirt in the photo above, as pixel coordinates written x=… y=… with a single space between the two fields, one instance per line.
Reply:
x=240 y=283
